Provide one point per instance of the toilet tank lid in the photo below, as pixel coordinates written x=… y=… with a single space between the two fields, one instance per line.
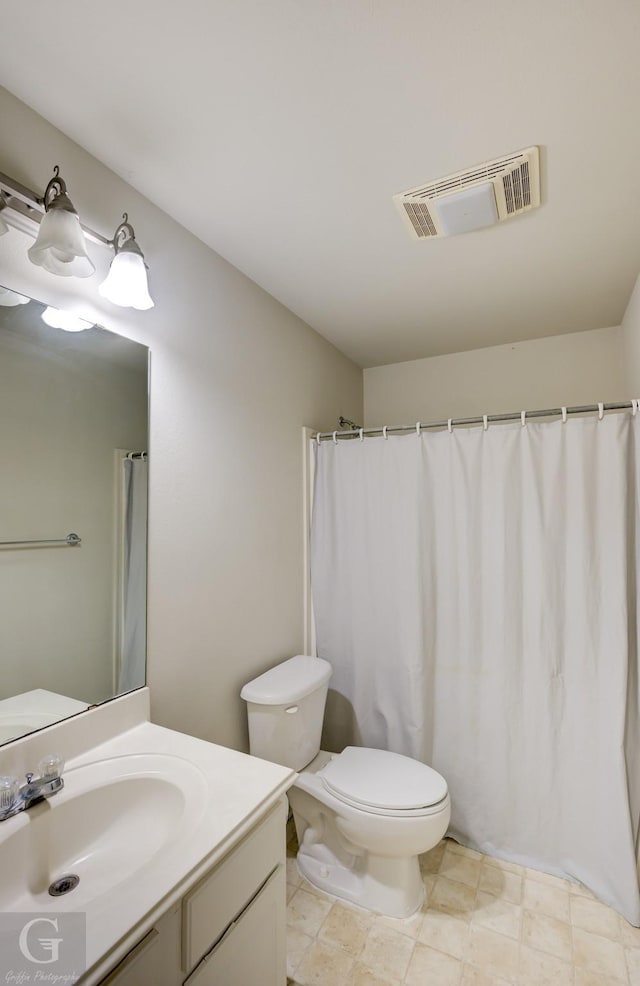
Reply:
x=288 y=682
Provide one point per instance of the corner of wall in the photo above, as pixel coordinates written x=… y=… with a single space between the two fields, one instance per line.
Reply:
x=631 y=341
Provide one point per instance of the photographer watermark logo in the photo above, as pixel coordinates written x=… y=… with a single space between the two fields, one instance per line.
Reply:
x=50 y=946
x=42 y=948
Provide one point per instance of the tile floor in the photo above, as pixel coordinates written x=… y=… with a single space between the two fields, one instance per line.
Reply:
x=485 y=923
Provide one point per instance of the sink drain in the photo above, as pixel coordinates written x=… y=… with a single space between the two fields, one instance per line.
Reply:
x=64 y=885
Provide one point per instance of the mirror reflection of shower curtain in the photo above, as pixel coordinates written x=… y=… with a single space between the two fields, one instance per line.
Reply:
x=134 y=635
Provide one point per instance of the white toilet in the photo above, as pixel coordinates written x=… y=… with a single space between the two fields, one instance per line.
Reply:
x=362 y=816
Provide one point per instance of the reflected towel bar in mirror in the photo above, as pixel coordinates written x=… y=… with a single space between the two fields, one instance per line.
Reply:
x=71 y=541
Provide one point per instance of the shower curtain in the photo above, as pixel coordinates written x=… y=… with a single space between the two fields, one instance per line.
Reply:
x=134 y=636
x=476 y=593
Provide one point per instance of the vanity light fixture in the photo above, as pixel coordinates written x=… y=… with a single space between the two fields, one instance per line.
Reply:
x=126 y=283
x=60 y=243
x=67 y=321
x=60 y=247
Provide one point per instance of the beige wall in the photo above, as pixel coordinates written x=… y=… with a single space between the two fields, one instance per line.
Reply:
x=234 y=377
x=631 y=341
x=64 y=413
x=580 y=368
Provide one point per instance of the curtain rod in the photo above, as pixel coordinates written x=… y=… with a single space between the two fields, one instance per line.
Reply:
x=483 y=419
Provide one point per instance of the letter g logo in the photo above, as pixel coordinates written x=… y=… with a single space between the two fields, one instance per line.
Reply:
x=48 y=945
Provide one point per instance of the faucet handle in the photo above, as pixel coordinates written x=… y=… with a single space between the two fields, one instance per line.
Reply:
x=9 y=787
x=50 y=767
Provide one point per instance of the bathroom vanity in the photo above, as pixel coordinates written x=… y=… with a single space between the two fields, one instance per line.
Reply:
x=179 y=846
x=228 y=927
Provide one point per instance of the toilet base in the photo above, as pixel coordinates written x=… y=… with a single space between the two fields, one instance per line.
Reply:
x=390 y=886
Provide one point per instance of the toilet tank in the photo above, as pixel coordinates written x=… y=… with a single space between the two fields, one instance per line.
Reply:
x=285 y=707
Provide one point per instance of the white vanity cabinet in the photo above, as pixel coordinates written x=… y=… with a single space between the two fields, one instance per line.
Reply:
x=228 y=929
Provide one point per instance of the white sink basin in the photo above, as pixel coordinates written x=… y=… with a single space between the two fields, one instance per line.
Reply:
x=110 y=821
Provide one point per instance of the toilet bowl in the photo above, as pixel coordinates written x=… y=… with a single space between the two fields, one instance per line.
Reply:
x=362 y=816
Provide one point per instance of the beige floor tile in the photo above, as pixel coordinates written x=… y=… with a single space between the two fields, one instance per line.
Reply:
x=475 y=977
x=493 y=953
x=503 y=864
x=485 y=922
x=362 y=975
x=546 y=934
x=346 y=928
x=501 y=883
x=538 y=969
x=445 y=932
x=306 y=912
x=309 y=887
x=548 y=878
x=579 y=890
x=582 y=977
x=429 y=880
x=460 y=868
x=297 y=945
x=632 y=956
x=405 y=926
x=430 y=966
x=591 y=915
x=387 y=951
x=546 y=899
x=454 y=846
x=323 y=965
x=430 y=861
x=452 y=897
x=598 y=954
x=630 y=935
x=497 y=915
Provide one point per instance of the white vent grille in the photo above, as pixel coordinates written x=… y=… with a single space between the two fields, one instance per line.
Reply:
x=515 y=180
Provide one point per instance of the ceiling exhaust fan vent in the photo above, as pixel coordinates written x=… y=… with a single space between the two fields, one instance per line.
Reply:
x=471 y=199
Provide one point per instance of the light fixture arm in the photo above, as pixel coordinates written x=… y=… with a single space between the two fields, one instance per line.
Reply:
x=25 y=207
x=55 y=194
x=124 y=238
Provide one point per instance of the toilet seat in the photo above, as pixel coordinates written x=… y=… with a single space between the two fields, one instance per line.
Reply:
x=384 y=783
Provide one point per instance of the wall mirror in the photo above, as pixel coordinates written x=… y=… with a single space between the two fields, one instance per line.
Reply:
x=73 y=460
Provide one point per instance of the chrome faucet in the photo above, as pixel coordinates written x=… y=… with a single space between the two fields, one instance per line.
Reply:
x=15 y=797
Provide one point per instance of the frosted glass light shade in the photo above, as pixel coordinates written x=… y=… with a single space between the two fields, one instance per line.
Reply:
x=126 y=283
x=58 y=319
x=59 y=247
x=9 y=298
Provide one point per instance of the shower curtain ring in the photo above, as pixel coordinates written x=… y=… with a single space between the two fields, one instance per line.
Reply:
x=485 y=421
x=418 y=428
x=362 y=434
x=449 y=425
x=600 y=411
x=335 y=438
x=384 y=431
x=634 y=406
x=564 y=415
x=318 y=439
x=523 y=418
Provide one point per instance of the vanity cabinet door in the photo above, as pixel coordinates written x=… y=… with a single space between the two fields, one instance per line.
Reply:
x=252 y=952
x=211 y=906
x=154 y=961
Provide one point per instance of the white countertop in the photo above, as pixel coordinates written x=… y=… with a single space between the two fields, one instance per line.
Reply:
x=237 y=791
x=240 y=789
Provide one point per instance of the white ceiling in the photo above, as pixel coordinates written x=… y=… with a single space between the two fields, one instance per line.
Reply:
x=278 y=130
